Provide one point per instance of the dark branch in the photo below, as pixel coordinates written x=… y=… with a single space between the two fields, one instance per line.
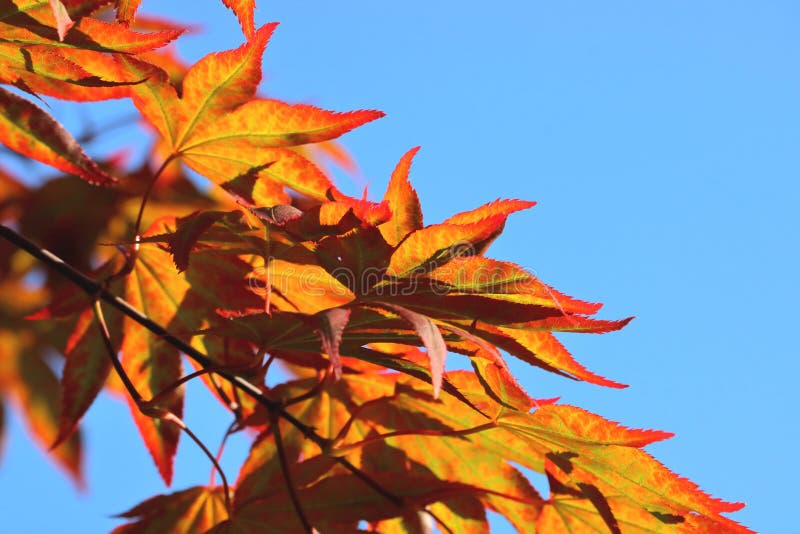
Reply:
x=287 y=475
x=98 y=291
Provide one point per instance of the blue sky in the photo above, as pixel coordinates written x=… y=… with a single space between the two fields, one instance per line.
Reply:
x=660 y=140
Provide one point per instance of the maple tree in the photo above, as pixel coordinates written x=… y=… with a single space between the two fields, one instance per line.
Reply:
x=357 y=301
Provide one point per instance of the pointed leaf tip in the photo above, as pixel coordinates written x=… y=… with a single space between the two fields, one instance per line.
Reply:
x=63 y=21
x=28 y=129
x=504 y=207
x=333 y=323
x=243 y=9
x=403 y=202
x=126 y=10
x=431 y=338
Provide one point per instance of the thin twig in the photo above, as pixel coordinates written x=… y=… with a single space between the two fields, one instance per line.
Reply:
x=151 y=408
x=178 y=383
x=233 y=427
x=146 y=197
x=287 y=475
x=311 y=392
x=174 y=419
x=112 y=354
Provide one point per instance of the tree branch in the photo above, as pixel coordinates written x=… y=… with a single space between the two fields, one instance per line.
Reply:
x=98 y=291
x=287 y=475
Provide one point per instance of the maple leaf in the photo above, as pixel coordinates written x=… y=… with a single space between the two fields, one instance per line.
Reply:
x=244 y=12
x=403 y=202
x=432 y=339
x=333 y=323
x=429 y=247
x=29 y=130
x=319 y=281
x=195 y=509
x=126 y=10
x=153 y=365
x=28 y=380
x=63 y=22
x=35 y=22
x=86 y=370
x=221 y=131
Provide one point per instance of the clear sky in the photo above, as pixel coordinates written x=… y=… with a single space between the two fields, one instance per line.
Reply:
x=661 y=142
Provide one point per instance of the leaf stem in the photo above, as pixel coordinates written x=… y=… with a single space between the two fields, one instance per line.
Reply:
x=150 y=408
x=112 y=354
x=174 y=419
x=178 y=383
x=312 y=392
x=146 y=197
x=233 y=427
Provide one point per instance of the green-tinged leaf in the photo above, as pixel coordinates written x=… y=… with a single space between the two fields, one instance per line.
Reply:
x=222 y=133
x=426 y=249
x=261 y=473
x=502 y=207
x=543 y=350
x=274 y=124
x=219 y=83
x=466 y=515
x=496 y=279
x=152 y=364
x=581 y=450
x=29 y=130
x=192 y=510
x=86 y=370
x=38 y=396
x=308 y=289
x=62 y=73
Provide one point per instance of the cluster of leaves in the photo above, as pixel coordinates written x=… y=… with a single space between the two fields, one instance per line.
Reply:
x=359 y=302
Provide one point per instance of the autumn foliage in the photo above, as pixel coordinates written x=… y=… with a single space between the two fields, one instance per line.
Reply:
x=356 y=303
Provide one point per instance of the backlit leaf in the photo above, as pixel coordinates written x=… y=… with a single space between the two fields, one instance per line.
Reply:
x=432 y=339
x=403 y=201
x=195 y=509
x=151 y=363
x=504 y=207
x=37 y=392
x=220 y=131
x=63 y=22
x=86 y=370
x=333 y=323
x=29 y=130
x=126 y=10
x=434 y=245
x=244 y=12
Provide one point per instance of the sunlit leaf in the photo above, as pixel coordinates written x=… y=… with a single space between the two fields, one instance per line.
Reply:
x=244 y=12
x=403 y=201
x=63 y=22
x=195 y=509
x=29 y=130
x=333 y=323
x=126 y=10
